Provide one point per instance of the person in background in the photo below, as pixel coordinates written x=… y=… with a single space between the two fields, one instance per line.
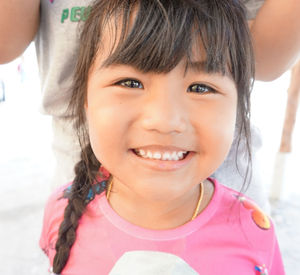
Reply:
x=53 y=25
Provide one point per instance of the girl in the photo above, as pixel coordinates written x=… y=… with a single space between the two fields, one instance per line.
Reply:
x=157 y=90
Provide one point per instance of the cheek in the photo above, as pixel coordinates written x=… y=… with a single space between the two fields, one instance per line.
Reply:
x=101 y=132
x=217 y=129
x=107 y=133
x=226 y=121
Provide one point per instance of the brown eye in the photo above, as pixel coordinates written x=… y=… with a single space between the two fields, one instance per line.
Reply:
x=200 y=89
x=130 y=83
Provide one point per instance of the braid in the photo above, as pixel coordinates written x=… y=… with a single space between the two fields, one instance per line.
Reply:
x=85 y=173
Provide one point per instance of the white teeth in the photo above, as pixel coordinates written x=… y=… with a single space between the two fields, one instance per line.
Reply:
x=174 y=156
x=157 y=155
x=166 y=156
x=142 y=152
x=149 y=155
x=161 y=156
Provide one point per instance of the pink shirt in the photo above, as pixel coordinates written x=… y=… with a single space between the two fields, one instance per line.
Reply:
x=226 y=238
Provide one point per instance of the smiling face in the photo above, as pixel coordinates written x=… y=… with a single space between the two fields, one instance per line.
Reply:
x=159 y=91
x=159 y=134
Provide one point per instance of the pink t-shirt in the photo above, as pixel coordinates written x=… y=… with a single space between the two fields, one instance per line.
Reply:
x=231 y=236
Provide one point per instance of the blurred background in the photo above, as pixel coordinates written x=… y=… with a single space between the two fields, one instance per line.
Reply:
x=26 y=163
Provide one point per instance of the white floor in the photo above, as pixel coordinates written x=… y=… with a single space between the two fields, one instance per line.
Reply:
x=26 y=163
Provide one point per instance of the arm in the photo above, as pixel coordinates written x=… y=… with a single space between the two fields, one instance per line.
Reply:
x=19 y=21
x=276 y=37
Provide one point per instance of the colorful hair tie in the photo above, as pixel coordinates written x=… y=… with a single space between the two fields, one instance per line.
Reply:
x=261 y=269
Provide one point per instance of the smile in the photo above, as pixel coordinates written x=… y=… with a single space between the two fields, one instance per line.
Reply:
x=159 y=155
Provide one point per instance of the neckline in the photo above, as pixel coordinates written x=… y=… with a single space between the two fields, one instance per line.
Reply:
x=101 y=206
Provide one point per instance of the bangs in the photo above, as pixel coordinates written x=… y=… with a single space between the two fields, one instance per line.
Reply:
x=154 y=36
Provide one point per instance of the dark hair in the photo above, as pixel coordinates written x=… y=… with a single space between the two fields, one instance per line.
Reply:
x=163 y=33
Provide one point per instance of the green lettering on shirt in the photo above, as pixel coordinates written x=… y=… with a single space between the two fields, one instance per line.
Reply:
x=65 y=15
x=76 y=14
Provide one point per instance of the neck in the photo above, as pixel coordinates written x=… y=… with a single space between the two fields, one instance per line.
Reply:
x=158 y=214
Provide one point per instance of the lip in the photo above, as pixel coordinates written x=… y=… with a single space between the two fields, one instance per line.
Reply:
x=163 y=165
x=161 y=148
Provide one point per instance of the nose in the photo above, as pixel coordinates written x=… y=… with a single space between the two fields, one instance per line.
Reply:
x=164 y=112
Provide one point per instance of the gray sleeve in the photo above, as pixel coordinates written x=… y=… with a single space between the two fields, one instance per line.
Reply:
x=252 y=7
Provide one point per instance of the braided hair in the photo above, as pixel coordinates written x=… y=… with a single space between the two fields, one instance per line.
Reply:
x=86 y=171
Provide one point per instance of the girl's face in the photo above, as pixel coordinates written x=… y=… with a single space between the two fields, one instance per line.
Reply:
x=159 y=135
